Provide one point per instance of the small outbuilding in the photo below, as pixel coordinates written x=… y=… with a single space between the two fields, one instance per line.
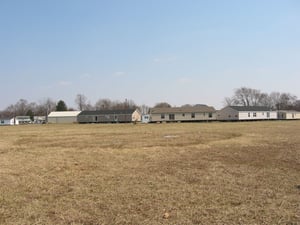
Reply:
x=39 y=119
x=63 y=117
x=288 y=115
x=237 y=113
x=110 y=116
x=146 y=118
x=183 y=114
x=23 y=119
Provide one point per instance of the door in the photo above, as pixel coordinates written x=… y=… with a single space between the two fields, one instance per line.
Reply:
x=171 y=117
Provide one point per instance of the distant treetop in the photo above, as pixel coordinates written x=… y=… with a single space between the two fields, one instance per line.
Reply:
x=162 y=105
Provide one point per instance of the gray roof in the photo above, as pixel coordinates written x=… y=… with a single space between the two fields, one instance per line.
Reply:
x=194 y=109
x=288 y=111
x=107 y=112
x=250 y=108
x=6 y=118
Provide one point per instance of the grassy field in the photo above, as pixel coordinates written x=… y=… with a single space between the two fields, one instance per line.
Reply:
x=183 y=173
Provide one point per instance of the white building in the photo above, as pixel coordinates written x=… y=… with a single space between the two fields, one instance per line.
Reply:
x=39 y=119
x=288 y=115
x=236 y=113
x=146 y=118
x=9 y=121
x=23 y=119
x=63 y=117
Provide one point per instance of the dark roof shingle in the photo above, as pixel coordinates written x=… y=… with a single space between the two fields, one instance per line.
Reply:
x=250 y=108
x=107 y=112
x=194 y=109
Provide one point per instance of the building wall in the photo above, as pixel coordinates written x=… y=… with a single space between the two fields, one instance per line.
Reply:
x=227 y=113
x=23 y=119
x=257 y=115
x=68 y=119
x=294 y=115
x=289 y=115
x=4 y=122
x=230 y=114
x=146 y=118
x=169 y=117
x=109 y=118
x=136 y=116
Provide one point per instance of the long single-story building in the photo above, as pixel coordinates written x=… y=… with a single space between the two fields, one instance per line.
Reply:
x=232 y=113
x=110 y=116
x=183 y=114
x=288 y=115
x=8 y=121
x=63 y=117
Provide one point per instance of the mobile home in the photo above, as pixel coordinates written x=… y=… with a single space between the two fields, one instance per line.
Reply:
x=239 y=113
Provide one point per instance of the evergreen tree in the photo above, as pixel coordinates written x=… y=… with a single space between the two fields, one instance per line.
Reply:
x=61 y=106
x=31 y=114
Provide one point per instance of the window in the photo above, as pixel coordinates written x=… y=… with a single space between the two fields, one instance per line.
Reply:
x=183 y=114
x=96 y=118
x=2 y=121
x=162 y=116
x=210 y=115
x=254 y=114
x=268 y=114
x=193 y=115
x=248 y=114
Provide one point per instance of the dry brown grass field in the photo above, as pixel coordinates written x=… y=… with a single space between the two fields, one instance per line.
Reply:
x=181 y=173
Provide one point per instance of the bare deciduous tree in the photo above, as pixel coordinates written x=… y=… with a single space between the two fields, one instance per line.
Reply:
x=81 y=102
x=21 y=107
x=252 y=97
x=144 y=109
x=228 y=101
x=103 y=104
x=162 y=105
x=248 y=97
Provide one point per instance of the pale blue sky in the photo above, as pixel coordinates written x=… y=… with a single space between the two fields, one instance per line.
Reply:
x=187 y=51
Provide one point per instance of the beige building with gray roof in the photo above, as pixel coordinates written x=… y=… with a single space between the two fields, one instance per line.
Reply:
x=183 y=114
x=245 y=113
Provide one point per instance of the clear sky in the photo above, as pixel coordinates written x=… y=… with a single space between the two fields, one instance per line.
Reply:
x=179 y=51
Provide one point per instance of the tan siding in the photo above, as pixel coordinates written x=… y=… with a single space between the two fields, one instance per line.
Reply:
x=288 y=115
x=227 y=113
x=183 y=117
x=136 y=116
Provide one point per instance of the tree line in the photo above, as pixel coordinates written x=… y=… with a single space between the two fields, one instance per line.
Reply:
x=243 y=96
x=44 y=107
